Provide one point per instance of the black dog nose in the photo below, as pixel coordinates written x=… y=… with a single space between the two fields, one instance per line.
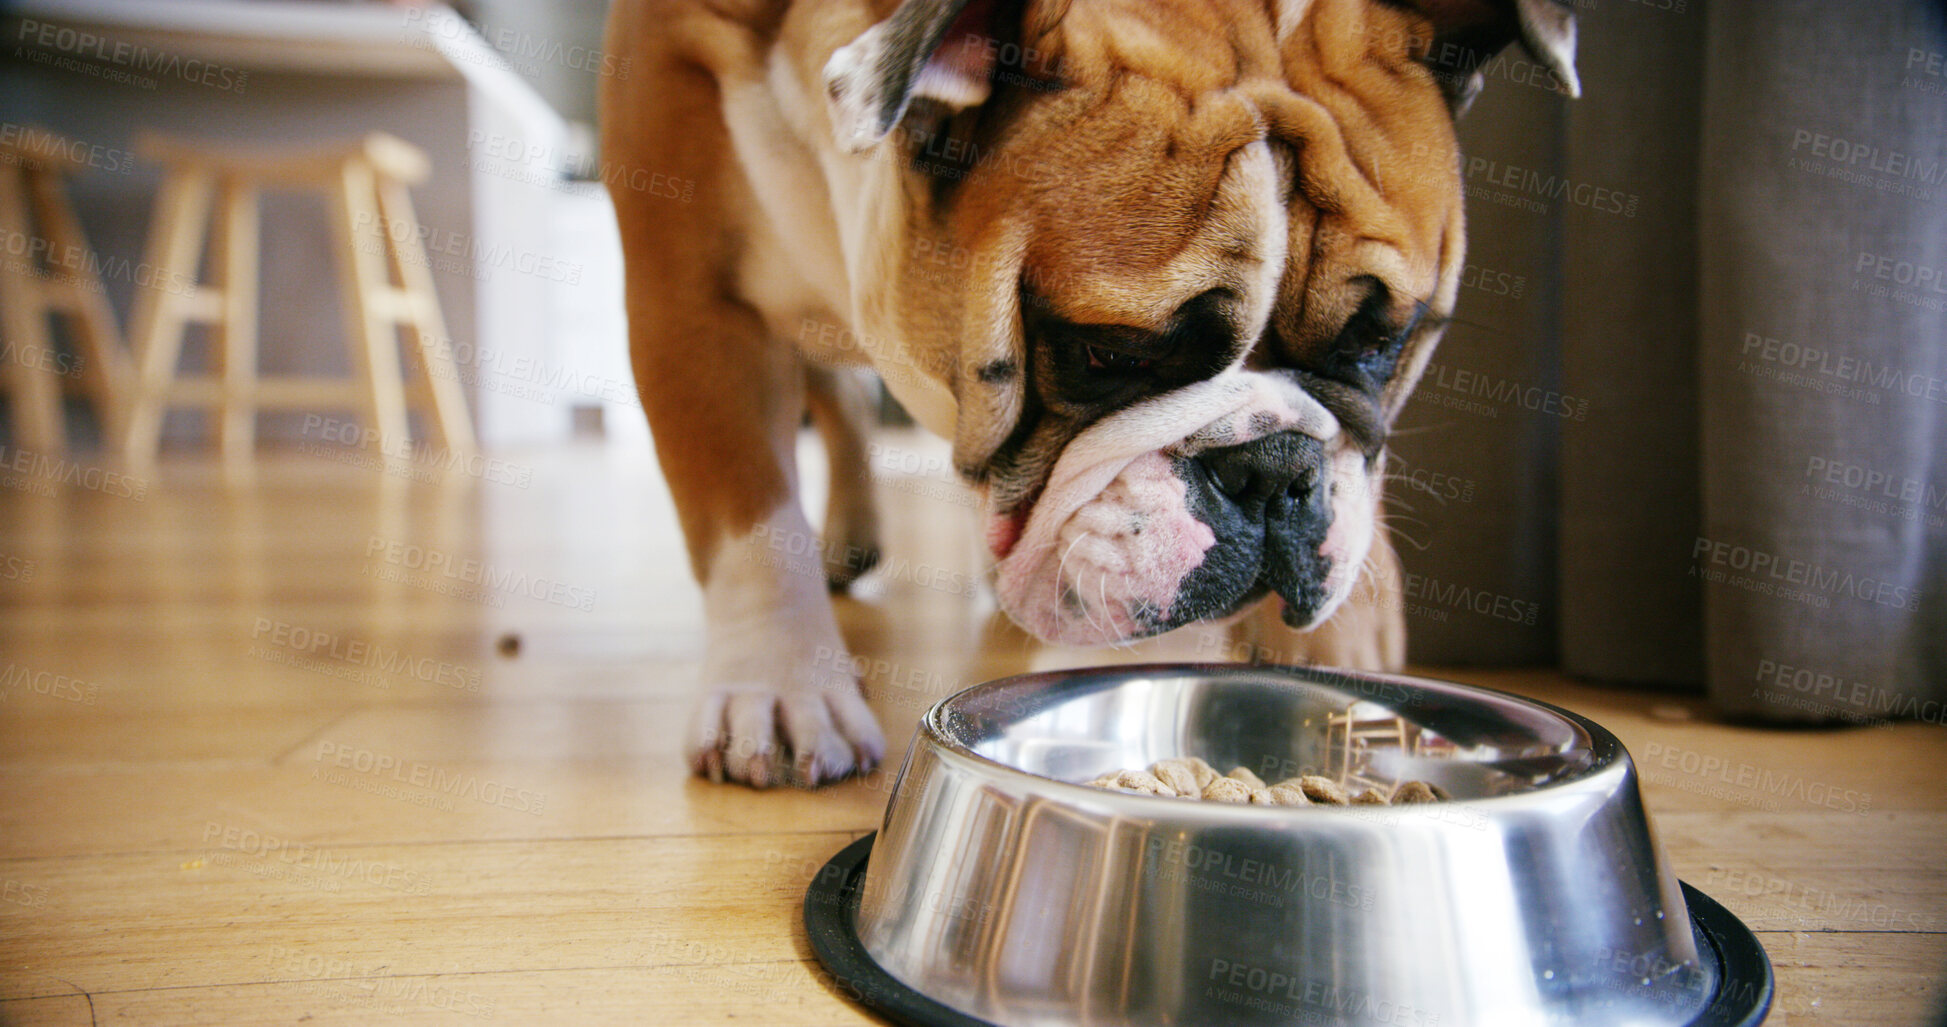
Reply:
x=1281 y=464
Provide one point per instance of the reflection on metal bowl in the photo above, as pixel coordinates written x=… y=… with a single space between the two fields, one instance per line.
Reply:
x=1001 y=889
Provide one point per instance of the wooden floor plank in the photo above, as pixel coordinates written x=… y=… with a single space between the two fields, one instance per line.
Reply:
x=1860 y=980
x=1803 y=871
x=215 y=915
x=108 y=811
x=774 y=993
x=65 y=1010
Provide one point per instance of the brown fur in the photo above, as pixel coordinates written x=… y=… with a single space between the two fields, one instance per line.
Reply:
x=688 y=335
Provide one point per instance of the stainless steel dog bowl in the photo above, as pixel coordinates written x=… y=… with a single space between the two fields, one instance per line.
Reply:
x=1000 y=891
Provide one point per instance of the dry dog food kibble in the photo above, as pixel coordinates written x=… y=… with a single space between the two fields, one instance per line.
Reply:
x=1189 y=777
x=1418 y=791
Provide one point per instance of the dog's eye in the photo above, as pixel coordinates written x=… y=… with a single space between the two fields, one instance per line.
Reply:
x=1366 y=349
x=1100 y=359
x=1363 y=340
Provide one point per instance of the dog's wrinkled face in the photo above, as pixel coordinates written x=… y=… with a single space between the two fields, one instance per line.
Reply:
x=1202 y=252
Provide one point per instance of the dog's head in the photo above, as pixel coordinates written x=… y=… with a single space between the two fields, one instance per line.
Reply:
x=1171 y=268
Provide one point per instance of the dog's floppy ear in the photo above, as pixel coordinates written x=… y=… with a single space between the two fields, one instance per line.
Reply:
x=1468 y=33
x=938 y=50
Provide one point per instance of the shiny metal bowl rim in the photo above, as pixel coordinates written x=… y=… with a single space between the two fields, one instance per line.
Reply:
x=1605 y=747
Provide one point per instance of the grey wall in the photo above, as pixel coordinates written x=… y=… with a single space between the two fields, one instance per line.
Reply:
x=556 y=45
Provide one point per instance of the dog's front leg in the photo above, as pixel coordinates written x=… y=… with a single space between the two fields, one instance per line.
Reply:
x=725 y=397
x=779 y=701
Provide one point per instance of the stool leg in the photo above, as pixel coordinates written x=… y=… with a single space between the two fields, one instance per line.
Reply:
x=236 y=342
x=175 y=251
x=362 y=282
x=35 y=394
x=436 y=388
x=104 y=364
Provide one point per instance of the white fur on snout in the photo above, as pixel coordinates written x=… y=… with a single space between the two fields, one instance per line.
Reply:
x=1118 y=564
x=1110 y=540
x=1355 y=515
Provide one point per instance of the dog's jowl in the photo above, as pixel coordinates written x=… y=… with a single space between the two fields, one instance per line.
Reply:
x=1163 y=271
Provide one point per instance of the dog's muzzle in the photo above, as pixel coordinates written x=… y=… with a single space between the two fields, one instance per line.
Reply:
x=1178 y=509
x=1268 y=502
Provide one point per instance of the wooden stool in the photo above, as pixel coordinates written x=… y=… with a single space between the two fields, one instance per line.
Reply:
x=52 y=273
x=376 y=238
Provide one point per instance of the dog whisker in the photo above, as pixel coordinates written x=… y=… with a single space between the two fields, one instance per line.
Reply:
x=1100 y=629
x=1417 y=545
x=1390 y=519
x=1102 y=594
x=1398 y=502
x=1061 y=581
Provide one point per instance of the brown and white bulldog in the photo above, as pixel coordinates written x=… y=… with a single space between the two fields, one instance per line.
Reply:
x=1197 y=254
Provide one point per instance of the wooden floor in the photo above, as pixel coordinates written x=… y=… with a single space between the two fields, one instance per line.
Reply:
x=335 y=745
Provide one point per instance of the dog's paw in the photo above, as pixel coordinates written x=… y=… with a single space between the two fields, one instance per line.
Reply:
x=763 y=735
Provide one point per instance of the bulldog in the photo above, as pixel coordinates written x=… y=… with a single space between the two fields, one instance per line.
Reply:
x=1163 y=271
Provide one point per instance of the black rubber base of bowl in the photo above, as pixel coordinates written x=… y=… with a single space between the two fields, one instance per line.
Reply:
x=831 y=908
